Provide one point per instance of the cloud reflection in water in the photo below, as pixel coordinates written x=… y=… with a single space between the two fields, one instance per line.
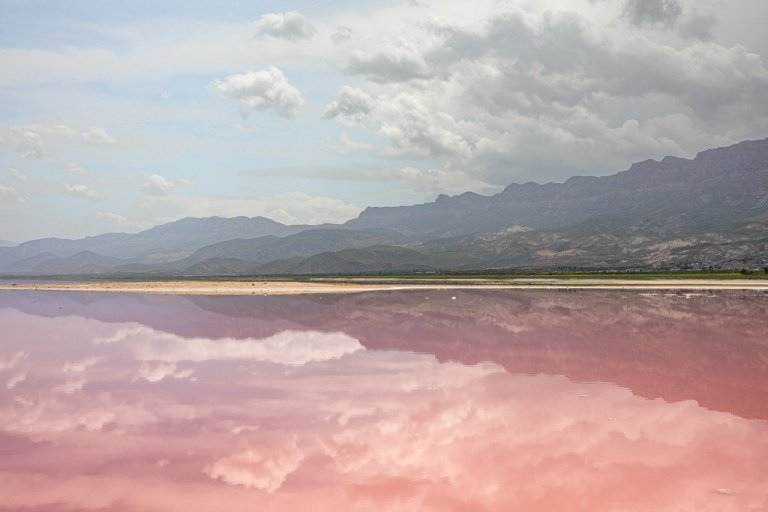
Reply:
x=152 y=420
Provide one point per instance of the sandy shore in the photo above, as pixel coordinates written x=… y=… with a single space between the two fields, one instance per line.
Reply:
x=292 y=287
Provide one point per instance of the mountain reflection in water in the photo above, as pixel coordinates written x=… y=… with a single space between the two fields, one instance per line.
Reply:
x=494 y=400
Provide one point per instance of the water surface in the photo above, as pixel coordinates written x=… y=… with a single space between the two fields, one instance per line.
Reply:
x=388 y=401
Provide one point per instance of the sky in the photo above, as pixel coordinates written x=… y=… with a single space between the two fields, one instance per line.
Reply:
x=117 y=116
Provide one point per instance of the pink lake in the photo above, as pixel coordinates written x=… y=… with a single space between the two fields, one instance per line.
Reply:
x=387 y=401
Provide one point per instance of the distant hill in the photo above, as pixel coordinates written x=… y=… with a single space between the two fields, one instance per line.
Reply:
x=167 y=242
x=710 y=211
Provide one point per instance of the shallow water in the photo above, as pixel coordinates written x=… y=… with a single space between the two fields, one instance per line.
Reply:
x=401 y=401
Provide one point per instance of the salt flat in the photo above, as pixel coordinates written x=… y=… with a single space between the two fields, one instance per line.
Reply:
x=364 y=285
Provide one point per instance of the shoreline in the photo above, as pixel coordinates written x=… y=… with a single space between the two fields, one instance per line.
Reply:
x=299 y=288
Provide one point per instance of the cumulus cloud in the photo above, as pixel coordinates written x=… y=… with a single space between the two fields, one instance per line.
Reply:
x=267 y=89
x=81 y=190
x=291 y=25
x=389 y=63
x=411 y=125
x=524 y=96
x=13 y=194
x=351 y=105
x=97 y=136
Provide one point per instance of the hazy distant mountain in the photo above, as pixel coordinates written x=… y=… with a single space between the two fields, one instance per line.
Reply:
x=6 y=243
x=233 y=256
x=167 y=242
x=708 y=211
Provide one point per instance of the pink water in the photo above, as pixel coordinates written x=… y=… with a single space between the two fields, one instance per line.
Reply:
x=410 y=401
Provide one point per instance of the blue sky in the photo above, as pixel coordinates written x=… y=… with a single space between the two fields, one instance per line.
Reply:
x=118 y=116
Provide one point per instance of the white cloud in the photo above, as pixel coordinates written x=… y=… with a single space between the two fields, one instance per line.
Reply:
x=81 y=190
x=13 y=194
x=265 y=469
x=97 y=136
x=351 y=106
x=526 y=95
x=267 y=89
x=158 y=184
x=292 y=348
x=389 y=63
x=290 y=25
x=20 y=176
x=76 y=170
x=288 y=208
x=415 y=129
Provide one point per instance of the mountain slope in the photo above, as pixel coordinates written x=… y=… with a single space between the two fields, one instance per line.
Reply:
x=725 y=181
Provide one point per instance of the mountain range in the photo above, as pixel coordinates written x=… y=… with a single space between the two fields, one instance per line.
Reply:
x=707 y=212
